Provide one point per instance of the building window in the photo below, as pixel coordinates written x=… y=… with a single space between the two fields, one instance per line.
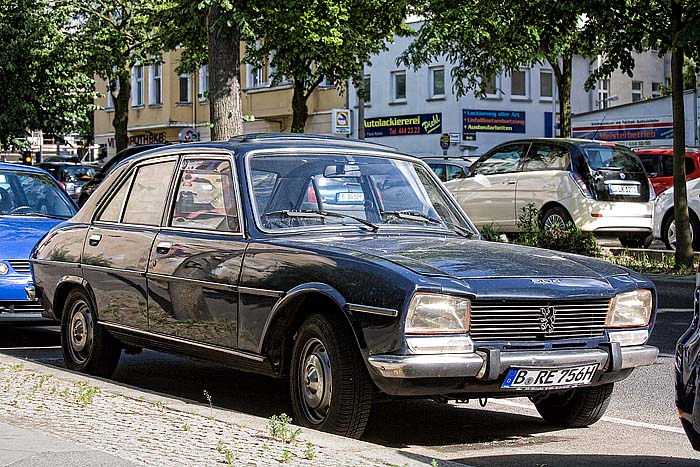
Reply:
x=155 y=91
x=637 y=91
x=203 y=92
x=367 y=84
x=398 y=86
x=656 y=89
x=491 y=87
x=520 y=84
x=184 y=95
x=546 y=84
x=110 y=99
x=255 y=76
x=137 y=87
x=603 y=93
x=437 y=82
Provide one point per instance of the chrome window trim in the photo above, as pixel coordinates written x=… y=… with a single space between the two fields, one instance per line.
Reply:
x=262 y=292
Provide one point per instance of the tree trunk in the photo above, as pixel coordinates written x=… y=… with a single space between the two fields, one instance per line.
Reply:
x=563 y=77
x=300 y=111
x=120 y=122
x=361 y=95
x=684 y=248
x=225 y=112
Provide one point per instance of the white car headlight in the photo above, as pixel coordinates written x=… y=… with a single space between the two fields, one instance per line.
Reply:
x=3 y=269
x=437 y=314
x=630 y=309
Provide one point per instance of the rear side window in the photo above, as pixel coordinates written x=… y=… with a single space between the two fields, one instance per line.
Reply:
x=651 y=163
x=454 y=171
x=112 y=212
x=148 y=194
x=547 y=157
x=439 y=170
x=503 y=160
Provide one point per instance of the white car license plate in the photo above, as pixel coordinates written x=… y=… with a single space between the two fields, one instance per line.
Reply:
x=549 y=378
x=629 y=190
x=350 y=197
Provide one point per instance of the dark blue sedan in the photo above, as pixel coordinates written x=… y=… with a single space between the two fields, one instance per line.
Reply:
x=343 y=267
x=31 y=204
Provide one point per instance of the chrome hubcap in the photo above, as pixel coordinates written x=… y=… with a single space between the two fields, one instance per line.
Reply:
x=80 y=332
x=555 y=221
x=315 y=382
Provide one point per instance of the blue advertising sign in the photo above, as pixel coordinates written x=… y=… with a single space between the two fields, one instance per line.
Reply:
x=403 y=125
x=492 y=121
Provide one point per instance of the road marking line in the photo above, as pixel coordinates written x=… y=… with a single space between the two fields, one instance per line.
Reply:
x=621 y=421
x=3 y=349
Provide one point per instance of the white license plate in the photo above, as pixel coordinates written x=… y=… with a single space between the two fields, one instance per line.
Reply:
x=549 y=378
x=350 y=197
x=629 y=190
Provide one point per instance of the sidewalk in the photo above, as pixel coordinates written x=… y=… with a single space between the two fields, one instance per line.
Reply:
x=53 y=417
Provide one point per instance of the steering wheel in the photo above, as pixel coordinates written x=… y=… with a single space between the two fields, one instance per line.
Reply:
x=21 y=210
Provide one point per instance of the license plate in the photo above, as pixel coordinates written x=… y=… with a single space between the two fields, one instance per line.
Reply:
x=350 y=197
x=628 y=190
x=549 y=378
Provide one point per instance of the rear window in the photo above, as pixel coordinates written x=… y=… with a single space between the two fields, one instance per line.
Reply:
x=612 y=157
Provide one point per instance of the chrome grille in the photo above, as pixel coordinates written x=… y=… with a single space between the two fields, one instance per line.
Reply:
x=24 y=306
x=20 y=265
x=520 y=320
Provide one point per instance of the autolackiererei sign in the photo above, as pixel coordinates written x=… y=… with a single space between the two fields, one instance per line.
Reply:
x=403 y=125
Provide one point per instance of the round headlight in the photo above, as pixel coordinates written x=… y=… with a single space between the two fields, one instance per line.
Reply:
x=3 y=269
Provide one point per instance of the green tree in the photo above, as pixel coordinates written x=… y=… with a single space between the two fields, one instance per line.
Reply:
x=486 y=37
x=307 y=41
x=43 y=81
x=116 y=35
x=671 y=26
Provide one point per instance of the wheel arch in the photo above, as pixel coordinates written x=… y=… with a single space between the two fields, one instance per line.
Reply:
x=549 y=205
x=288 y=314
x=63 y=288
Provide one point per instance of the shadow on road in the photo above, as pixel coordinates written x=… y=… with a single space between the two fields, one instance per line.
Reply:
x=577 y=460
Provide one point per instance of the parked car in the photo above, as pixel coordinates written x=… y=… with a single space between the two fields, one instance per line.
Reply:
x=664 y=216
x=213 y=250
x=70 y=175
x=686 y=374
x=658 y=163
x=600 y=187
x=448 y=168
x=31 y=203
x=102 y=172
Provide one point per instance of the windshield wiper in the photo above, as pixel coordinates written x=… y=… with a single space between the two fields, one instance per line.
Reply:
x=420 y=217
x=309 y=213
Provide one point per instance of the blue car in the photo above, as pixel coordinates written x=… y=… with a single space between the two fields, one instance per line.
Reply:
x=31 y=204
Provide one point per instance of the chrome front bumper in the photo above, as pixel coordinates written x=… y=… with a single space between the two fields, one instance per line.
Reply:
x=490 y=364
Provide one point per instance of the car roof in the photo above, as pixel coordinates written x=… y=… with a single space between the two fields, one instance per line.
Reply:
x=21 y=168
x=446 y=160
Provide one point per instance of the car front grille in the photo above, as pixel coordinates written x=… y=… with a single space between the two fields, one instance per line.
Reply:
x=24 y=306
x=19 y=265
x=523 y=320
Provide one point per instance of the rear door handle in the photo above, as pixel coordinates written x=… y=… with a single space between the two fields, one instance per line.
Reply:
x=163 y=247
x=94 y=239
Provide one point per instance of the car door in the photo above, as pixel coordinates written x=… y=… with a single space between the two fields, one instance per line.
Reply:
x=196 y=258
x=119 y=241
x=488 y=194
x=544 y=176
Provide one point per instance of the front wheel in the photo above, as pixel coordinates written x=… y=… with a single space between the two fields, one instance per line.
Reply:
x=555 y=218
x=87 y=346
x=330 y=388
x=669 y=233
x=574 y=408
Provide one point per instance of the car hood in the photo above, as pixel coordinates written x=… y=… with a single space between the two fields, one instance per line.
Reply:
x=462 y=258
x=19 y=234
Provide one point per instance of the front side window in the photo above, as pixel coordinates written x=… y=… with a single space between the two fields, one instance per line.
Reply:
x=349 y=191
x=146 y=200
x=113 y=211
x=547 y=157
x=503 y=160
x=205 y=197
x=32 y=194
x=398 y=86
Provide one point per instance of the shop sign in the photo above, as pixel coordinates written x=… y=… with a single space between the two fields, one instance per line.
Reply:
x=492 y=121
x=147 y=138
x=630 y=131
x=403 y=125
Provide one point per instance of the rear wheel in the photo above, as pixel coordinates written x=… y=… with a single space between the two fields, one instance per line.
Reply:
x=87 y=346
x=555 y=218
x=331 y=390
x=668 y=232
x=574 y=408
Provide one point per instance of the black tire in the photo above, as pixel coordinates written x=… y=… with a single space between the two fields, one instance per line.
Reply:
x=668 y=232
x=329 y=384
x=575 y=408
x=693 y=436
x=639 y=240
x=555 y=217
x=87 y=346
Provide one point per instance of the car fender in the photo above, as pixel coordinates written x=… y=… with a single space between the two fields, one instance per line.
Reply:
x=64 y=284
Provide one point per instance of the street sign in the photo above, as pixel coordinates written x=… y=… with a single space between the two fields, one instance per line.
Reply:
x=340 y=124
x=445 y=141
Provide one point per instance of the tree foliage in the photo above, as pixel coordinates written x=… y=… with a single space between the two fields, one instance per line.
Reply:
x=43 y=81
x=307 y=41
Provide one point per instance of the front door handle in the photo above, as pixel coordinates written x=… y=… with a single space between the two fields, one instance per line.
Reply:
x=163 y=247
x=94 y=239
x=509 y=182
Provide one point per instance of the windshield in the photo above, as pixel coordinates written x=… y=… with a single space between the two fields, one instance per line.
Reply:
x=612 y=157
x=26 y=193
x=371 y=192
x=77 y=173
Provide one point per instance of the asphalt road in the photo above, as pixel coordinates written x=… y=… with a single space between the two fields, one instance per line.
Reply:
x=640 y=428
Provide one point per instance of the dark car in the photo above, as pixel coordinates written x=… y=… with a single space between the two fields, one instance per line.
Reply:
x=102 y=172
x=686 y=374
x=658 y=163
x=214 y=250
x=448 y=168
x=31 y=204
x=72 y=176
